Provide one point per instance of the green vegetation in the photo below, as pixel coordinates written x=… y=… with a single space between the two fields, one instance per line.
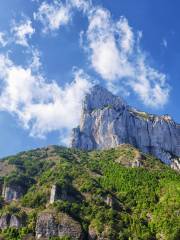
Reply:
x=102 y=192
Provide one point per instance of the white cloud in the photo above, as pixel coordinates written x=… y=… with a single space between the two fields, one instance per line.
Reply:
x=35 y=62
x=3 y=40
x=84 y=5
x=115 y=53
x=53 y=15
x=149 y=84
x=105 y=54
x=22 y=32
x=40 y=106
x=113 y=49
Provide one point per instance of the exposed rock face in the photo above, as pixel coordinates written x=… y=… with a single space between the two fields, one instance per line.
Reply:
x=60 y=193
x=15 y=222
x=8 y=220
x=107 y=122
x=11 y=193
x=176 y=164
x=46 y=226
x=50 y=224
x=69 y=227
x=53 y=195
x=4 y=221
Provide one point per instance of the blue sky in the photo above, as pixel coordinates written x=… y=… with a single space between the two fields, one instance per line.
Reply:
x=52 y=52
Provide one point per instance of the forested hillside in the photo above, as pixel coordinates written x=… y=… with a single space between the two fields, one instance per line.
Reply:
x=61 y=193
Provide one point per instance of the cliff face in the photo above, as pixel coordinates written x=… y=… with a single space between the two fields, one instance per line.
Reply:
x=10 y=221
x=11 y=193
x=50 y=224
x=107 y=121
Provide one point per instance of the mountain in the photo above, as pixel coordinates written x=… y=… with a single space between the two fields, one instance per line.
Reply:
x=107 y=121
x=115 y=194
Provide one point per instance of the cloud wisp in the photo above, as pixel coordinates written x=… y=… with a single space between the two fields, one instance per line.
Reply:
x=53 y=15
x=22 y=32
x=3 y=39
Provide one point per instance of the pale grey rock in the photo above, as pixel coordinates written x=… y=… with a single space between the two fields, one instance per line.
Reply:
x=69 y=227
x=53 y=194
x=8 y=220
x=4 y=221
x=136 y=163
x=11 y=193
x=176 y=164
x=50 y=224
x=107 y=121
x=109 y=201
x=15 y=222
x=46 y=226
x=60 y=193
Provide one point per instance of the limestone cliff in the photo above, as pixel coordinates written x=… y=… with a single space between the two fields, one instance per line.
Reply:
x=107 y=121
x=11 y=193
x=50 y=224
x=11 y=221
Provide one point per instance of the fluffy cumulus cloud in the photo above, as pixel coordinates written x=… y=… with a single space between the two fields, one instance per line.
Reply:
x=115 y=54
x=22 y=31
x=40 y=106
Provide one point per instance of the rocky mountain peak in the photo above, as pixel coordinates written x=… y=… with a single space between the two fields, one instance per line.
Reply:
x=99 y=98
x=107 y=121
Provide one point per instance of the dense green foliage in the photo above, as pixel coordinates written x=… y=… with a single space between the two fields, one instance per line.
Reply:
x=104 y=192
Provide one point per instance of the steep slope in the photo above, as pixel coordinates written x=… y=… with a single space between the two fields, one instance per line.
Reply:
x=107 y=121
x=115 y=194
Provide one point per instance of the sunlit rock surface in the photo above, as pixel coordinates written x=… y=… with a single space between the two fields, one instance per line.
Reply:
x=107 y=121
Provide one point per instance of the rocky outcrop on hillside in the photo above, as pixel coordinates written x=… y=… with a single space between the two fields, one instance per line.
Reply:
x=66 y=193
x=50 y=224
x=11 y=193
x=107 y=121
x=12 y=221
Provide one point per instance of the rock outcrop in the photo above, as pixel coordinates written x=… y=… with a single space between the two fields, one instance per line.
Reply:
x=12 y=221
x=4 y=221
x=50 y=224
x=61 y=193
x=11 y=193
x=107 y=121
